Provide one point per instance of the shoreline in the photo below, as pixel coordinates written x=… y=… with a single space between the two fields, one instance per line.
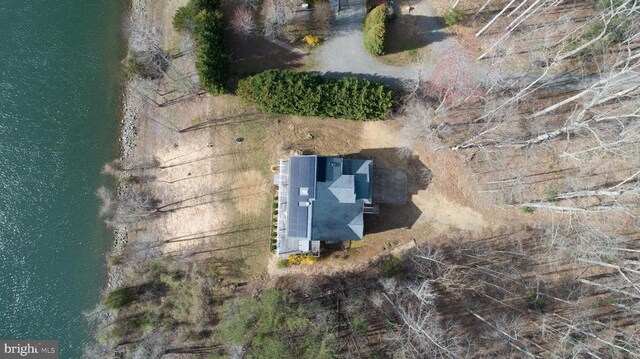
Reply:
x=126 y=141
x=124 y=137
x=126 y=134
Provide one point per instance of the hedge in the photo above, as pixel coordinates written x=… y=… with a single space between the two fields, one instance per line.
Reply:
x=208 y=30
x=375 y=27
x=308 y=94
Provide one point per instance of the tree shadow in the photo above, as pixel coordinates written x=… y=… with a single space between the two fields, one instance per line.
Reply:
x=412 y=32
x=404 y=31
x=395 y=212
x=255 y=54
x=221 y=121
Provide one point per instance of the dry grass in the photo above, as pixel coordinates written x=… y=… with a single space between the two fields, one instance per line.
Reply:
x=218 y=190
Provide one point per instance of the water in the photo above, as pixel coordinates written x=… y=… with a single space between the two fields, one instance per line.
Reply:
x=59 y=99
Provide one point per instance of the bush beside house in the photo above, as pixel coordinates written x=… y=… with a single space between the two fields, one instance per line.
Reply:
x=308 y=94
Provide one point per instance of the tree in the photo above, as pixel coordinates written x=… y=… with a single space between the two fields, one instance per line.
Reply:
x=242 y=21
x=421 y=333
x=375 y=27
x=183 y=20
x=274 y=18
x=146 y=57
x=212 y=59
x=322 y=16
x=129 y=206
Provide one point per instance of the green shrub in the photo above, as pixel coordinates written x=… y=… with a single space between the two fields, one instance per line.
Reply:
x=390 y=267
x=238 y=321
x=592 y=31
x=149 y=65
x=147 y=323
x=265 y=347
x=184 y=19
x=359 y=325
x=205 y=20
x=606 y=4
x=265 y=324
x=319 y=344
x=283 y=263
x=308 y=94
x=550 y=193
x=186 y=298
x=616 y=32
x=534 y=300
x=619 y=30
x=453 y=16
x=118 y=332
x=527 y=209
x=375 y=27
x=120 y=298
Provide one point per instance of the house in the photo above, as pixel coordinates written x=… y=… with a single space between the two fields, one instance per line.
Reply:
x=321 y=199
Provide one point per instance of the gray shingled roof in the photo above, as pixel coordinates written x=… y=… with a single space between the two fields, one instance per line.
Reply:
x=325 y=201
x=302 y=191
x=343 y=187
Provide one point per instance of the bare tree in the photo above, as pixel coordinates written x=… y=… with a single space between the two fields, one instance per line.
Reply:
x=419 y=125
x=421 y=333
x=274 y=17
x=322 y=16
x=128 y=207
x=242 y=21
x=147 y=57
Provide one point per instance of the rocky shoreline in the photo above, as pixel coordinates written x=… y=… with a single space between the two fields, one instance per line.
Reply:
x=128 y=133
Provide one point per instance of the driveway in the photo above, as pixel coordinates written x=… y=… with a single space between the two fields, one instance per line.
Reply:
x=344 y=52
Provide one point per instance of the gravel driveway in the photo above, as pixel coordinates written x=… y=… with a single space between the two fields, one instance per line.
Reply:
x=344 y=52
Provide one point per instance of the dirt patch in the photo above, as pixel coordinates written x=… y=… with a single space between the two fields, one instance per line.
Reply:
x=218 y=189
x=428 y=213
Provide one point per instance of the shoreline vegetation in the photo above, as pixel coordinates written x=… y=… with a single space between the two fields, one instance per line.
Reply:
x=496 y=250
x=100 y=316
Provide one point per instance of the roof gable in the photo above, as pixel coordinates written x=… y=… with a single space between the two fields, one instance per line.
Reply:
x=357 y=225
x=344 y=189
